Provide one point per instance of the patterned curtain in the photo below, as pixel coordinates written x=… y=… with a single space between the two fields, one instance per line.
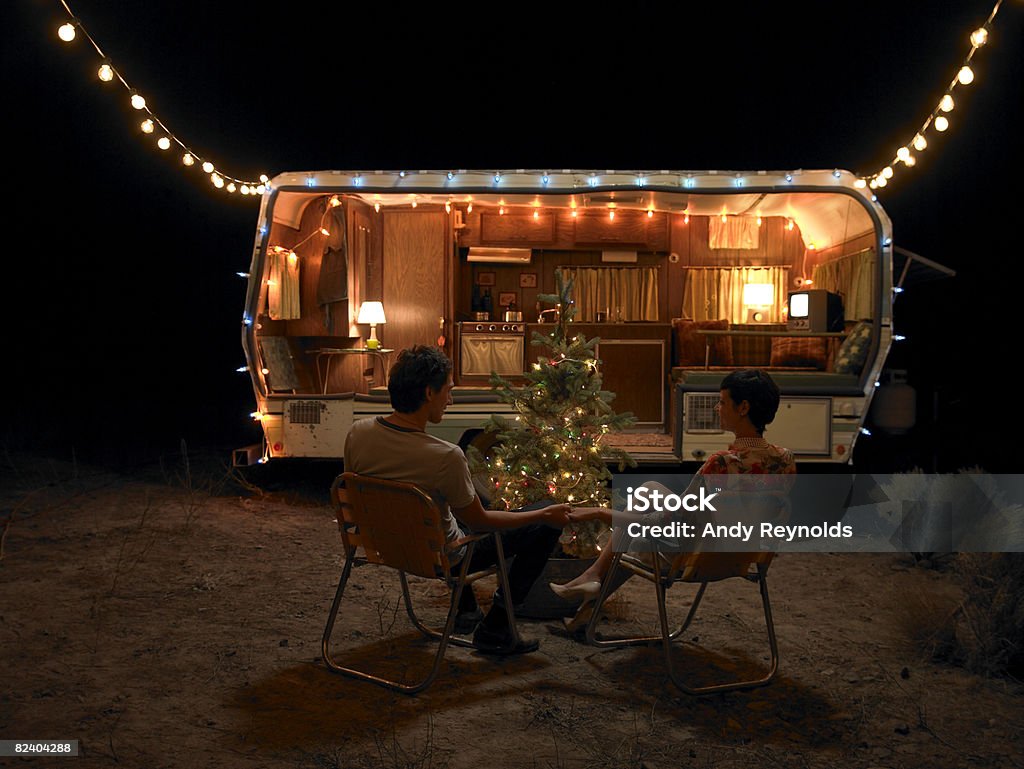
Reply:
x=717 y=292
x=632 y=292
x=853 y=278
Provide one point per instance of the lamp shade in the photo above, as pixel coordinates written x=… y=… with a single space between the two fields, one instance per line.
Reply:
x=371 y=312
x=759 y=294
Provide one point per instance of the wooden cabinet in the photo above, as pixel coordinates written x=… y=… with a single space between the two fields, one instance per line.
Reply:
x=628 y=229
x=634 y=369
x=517 y=228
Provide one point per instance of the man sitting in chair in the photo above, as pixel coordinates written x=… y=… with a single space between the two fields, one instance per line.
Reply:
x=398 y=448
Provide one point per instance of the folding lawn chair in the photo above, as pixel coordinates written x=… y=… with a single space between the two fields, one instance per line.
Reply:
x=399 y=526
x=701 y=568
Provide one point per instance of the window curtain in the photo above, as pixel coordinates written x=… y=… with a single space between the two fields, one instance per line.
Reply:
x=283 y=288
x=853 y=278
x=734 y=232
x=717 y=292
x=633 y=291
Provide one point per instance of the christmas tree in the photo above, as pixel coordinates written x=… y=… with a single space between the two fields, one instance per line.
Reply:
x=552 y=448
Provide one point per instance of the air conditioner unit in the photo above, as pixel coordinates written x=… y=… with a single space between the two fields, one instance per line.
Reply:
x=500 y=255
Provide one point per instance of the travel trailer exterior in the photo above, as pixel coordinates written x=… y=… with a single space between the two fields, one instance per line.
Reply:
x=682 y=275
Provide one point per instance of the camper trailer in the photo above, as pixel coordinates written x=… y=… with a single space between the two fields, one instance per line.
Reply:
x=682 y=275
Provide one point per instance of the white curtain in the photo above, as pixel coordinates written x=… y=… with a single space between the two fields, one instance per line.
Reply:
x=630 y=291
x=717 y=292
x=734 y=232
x=283 y=288
x=853 y=278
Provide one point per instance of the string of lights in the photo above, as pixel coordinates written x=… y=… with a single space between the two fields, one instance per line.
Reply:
x=151 y=124
x=937 y=118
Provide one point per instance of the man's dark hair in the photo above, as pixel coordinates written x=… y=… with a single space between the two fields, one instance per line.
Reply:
x=756 y=388
x=416 y=369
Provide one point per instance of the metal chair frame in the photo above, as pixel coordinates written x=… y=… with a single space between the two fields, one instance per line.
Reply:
x=696 y=568
x=389 y=537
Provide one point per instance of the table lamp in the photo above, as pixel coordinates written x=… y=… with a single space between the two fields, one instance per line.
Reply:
x=372 y=313
x=757 y=298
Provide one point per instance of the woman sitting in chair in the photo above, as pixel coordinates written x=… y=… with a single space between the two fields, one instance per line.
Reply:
x=748 y=402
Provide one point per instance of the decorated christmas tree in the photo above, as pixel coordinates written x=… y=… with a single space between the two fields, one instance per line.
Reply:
x=552 y=448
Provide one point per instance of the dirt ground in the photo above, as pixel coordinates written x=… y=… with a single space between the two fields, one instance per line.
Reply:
x=172 y=618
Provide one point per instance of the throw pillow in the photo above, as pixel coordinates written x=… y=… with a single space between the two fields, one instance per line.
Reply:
x=803 y=351
x=690 y=344
x=854 y=350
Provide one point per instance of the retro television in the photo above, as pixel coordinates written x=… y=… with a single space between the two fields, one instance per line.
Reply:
x=815 y=310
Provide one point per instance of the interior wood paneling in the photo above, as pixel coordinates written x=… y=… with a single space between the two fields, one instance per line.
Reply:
x=415 y=275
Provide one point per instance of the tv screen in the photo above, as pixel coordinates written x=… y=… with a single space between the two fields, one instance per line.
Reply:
x=798 y=305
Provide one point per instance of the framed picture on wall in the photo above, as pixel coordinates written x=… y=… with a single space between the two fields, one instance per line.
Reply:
x=485 y=278
x=505 y=298
x=527 y=280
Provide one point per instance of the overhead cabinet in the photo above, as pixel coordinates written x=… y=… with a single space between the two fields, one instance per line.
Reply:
x=626 y=228
x=504 y=229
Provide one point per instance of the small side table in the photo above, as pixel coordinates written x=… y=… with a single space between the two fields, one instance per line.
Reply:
x=329 y=352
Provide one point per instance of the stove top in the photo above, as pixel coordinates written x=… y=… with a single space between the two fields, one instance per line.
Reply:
x=491 y=327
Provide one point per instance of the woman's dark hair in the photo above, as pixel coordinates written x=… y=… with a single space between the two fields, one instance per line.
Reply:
x=756 y=388
x=416 y=369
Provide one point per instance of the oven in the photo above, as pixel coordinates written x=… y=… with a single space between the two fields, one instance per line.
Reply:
x=486 y=346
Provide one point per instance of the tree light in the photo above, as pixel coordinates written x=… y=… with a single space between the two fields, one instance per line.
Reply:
x=66 y=32
x=965 y=76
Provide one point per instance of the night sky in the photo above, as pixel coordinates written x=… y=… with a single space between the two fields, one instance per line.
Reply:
x=124 y=334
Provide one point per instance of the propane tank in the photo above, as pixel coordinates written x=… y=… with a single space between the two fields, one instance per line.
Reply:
x=894 y=407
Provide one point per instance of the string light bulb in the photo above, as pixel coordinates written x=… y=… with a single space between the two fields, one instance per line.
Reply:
x=947 y=104
x=920 y=143
x=979 y=37
x=207 y=167
x=105 y=73
x=903 y=153
x=965 y=76
x=147 y=126
x=187 y=159
x=138 y=102
x=165 y=144
x=941 y=123
x=66 y=32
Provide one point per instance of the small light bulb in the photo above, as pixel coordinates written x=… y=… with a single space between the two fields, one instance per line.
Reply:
x=293 y=258
x=902 y=153
x=245 y=189
x=376 y=207
x=335 y=201
x=882 y=181
x=536 y=216
x=873 y=184
x=574 y=213
x=163 y=143
x=910 y=161
x=448 y=207
x=979 y=37
x=105 y=73
x=260 y=190
x=724 y=218
x=611 y=215
x=187 y=159
x=501 y=210
x=138 y=102
x=264 y=179
x=650 y=213
x=920 y=143
x=965 y=76
x=469 y=208
x=207 y=167
x=946 y=105
x=146 y=126
x=414 y=203
x=860 y=184
x=217 y=180
x=941 y=123
x=686 y=218
x=66 y=32
x=887 y=172
x=789 y=224
x=325 y=231
x=759 y=220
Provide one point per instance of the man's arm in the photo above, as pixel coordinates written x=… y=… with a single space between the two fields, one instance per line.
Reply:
x=479 y=519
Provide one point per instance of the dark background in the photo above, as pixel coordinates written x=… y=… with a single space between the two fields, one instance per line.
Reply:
x=122 y=330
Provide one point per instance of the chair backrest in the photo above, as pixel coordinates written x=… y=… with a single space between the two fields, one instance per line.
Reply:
x=397 y=524
x=712 y=567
